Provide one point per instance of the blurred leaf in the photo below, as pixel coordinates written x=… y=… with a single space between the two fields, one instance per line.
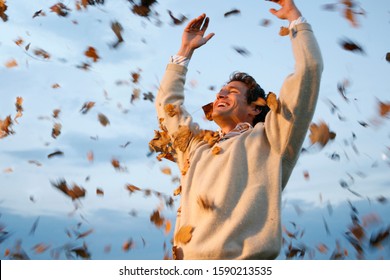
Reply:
x=232 y=12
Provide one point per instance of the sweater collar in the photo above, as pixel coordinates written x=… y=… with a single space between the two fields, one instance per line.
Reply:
x=239 y=129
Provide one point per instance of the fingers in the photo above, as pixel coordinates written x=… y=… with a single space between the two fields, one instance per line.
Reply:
x=199 y=23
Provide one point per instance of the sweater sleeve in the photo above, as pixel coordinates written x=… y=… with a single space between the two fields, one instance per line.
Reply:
x=172 y=115
x=287 y=127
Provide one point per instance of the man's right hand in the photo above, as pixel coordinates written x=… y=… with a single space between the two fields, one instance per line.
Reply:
x=193 y=36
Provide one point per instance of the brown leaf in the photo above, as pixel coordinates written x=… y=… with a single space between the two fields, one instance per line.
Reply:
x=171 y=110
x=175 y=20
x=322 y=248
x=104 y=121
x=184 y=234
x=38 y=13
x=388 y=57
x=42 y=53
x=132 y=188
x=166 y=170
x=177 y=191
x=84 y=234
x=60 y=9
x=216 y=150
x=168 y=226
x=128 y=245
x=56 y=153
x=11 y=63
x=349 y=45
x=320 y=134
x=56 y=130
x=117 y=29
x=232 y=12
x=3 y=8
x=273 y=102
x=284 y=31
x=99 y=192
x=384 y=108
x=208 y=111
x=92 y=53
x=182 y=137
x=87 y=106
x=40 y=248
x=5 y=127
x=74 y=193
x=157 y=219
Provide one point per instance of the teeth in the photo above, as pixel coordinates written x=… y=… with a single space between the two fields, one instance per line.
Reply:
x=222 y=105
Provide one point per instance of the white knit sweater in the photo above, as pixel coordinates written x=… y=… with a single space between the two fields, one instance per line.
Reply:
x=242 y=183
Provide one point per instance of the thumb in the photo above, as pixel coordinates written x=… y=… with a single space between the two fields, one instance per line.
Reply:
x=209 y=36
x=273 y=11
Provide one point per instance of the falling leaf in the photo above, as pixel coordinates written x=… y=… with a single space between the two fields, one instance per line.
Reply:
x=157 y=219
x=103 y=119
x=232 y=12
x=384 y=108
x=349 y=45
x=166 y=170
x=135 y=95
x=168 y=226
x=99 y=192
x=116 y=164
x=60 y=9
x=56 y=153
x=284 y=31
x=87 y=106
x=242 y=51
x=3 y=8
x=38 y=13
x=135 y=76
x=388 y=57
x=6 y=127
x=149 y=96
x=92 y=53
x=125 y=145
x=143 y=9
x=117 y=29
x=184 y=234
x=306 y=175
x=132 y=188
x=40 y=248
x=208 y=111
x=82 y=252
x=84 y=234
x=265 y=22
x=74 y=193
x=42 y=53
x=11 y=63
x=342 y=88
x=128 y=245
x=37 y=163
x=320 y=134
x=175 y=20
x=377 y=238
x=34 y=226
x=322 y=248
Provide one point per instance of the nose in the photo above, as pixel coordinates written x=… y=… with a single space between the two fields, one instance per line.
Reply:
x=222 y=94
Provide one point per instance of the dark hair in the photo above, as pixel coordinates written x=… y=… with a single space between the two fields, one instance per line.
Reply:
x=254 y=92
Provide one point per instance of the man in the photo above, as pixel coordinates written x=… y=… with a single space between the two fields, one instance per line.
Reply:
x=231 y=185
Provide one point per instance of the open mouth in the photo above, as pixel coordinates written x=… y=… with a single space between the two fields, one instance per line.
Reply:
x=222 y=105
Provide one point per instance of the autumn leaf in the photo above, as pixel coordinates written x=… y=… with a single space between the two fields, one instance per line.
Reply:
x=175 y=20
x=242 y=51
x=74 y=192
x=157 y=219
x=182 y=138
x=284 y=31
x=117 y=28
x=177 y=191
x=3 y=8
x=166 y=170
x=149 y=96
x=184 y=235
x=42 y=53
x=60 y=9
x=208 y=111
x=168 y=226
x=38 y=13
x=128 y=245
x=320 y=134
x=56 y=130
x=84 y=234
x=99 y=192
x=40 y=248
x=92 y=53
x=171 y=110
x=103 y=119
x=132 y=188
x=232 y=12
x=11 y=63
x=56 y=153
x=388 y=57
x=87 y=106
x=384 y=108
x=272 y=102
x=144 y=8
x=349 y=45
x=216 y=150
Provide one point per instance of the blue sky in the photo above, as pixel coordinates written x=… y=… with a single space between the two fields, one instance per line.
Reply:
x=25 y=189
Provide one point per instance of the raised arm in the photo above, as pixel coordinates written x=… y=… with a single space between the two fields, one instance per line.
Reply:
x=287 y=128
